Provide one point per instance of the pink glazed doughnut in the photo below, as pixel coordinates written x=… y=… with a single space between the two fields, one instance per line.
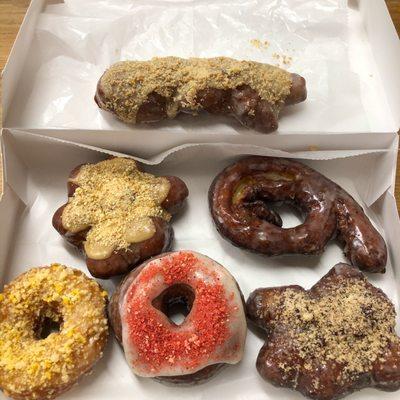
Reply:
x=212 y=334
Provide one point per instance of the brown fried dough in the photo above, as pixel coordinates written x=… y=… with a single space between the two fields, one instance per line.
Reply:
x=329 y=341
x=150 y=91
x=108 y=204
x=239 y=197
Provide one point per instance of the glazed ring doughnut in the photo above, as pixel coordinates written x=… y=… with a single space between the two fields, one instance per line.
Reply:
x=239 y=197
x=53 y=329
x=212 y=334
x=117 y=215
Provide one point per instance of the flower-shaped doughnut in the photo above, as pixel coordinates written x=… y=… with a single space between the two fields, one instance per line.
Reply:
x=118 y=215
x=329 y=341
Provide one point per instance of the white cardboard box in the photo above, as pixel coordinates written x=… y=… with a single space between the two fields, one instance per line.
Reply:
x=37 y=162
x=353 y=81
x=36 y=170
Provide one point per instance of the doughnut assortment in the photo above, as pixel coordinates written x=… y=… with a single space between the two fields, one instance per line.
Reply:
x=211 y=336
x=326 y=342
x=118 y=215
x=37 y=361
x=161 y=88
x=239 y=199
x=329 y=341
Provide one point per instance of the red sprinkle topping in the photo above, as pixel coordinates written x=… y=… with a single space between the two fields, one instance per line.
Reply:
x=160 y=344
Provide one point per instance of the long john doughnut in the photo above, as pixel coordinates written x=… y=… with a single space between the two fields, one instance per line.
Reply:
x=238 y=196
x=161 y=88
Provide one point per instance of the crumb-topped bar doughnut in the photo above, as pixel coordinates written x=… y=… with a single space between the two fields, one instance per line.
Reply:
x=118 y=215
x=149 y=91
x=240 y=198
x=331 y=340
x=212 y=334
x=36 y=362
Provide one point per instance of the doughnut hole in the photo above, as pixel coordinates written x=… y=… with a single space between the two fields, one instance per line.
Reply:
x=175 y=302
x=268 y=204
x=48 y=321
x=290 y=214
x=280 y=213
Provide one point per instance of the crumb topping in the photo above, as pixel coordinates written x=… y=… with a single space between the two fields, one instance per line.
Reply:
x=157 y=343
x=350 y=325
x=282 y=59
x=65 y=296
x=260 y=44
x=115 y=201
x=127 y=84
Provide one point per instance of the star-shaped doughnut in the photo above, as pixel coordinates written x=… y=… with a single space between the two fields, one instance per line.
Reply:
x=329 y=341
x=118 y=215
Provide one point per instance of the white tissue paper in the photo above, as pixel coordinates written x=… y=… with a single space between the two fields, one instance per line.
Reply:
x=37 y=169
x=77 y=40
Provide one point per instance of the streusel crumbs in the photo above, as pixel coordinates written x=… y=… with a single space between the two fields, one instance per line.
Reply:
x=127 y=84
x=349 y=324
x=115 y=201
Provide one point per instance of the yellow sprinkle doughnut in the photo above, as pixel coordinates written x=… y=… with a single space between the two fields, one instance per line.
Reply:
x=53 y=329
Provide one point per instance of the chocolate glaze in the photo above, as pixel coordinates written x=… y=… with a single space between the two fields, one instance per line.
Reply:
x=242 y=103
x=123 y=261
x=329 y=212
x=262 y=308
